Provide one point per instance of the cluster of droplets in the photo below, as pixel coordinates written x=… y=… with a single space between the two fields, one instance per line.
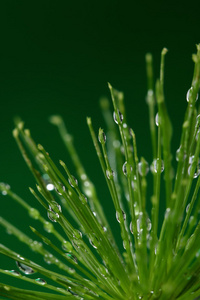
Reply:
x=25 y=270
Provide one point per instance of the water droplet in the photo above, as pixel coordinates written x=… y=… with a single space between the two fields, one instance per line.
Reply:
x=118 y=118
x=127 y=169
x=197 y=134
x=187 y=208
x=63 y=188
x=83 y=199
x=25 y=269
x=143 y=168
x=191 y=159
x=53 y=211
x=118 y=216
x=157 y=120
x=50 y=187
x=148 y=223
x=105 y=229
x=110 y=174
x=93 y=245
x=73 y=181
x=189 y=95
x=157 y=166
x=102 y=136
x=40 y=281
x=77 y=234
x=196 y=173
x=14 y=272
x=72 y=257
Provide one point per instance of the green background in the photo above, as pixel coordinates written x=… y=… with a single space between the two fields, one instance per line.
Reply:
x=57 y=57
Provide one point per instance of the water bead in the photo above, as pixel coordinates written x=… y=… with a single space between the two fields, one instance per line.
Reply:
x=187 y=208
x=189 y=95
x=118 y=216
x=109 y=174
x=73 y=181
x=191 y=159
x=40 y=281
x=77 y=234
x=157 y=120
x=63 y=188
x=14 y=272
x=127 y=169
x=72 y=257
x=25 y=269
x=143 y=168
x=93 y=245
x=155 y=166
x=148 y=224
x=53 y=211
x=118 y=119
x=102 y=136
x=196 y=173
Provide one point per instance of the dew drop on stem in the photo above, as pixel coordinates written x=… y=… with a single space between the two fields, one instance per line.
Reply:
x=127 y=169
x=63 y=188
x=110 y=174
x=189 y=94
x=40 y=281
x=157 y=166
x=118 y=119
x=53 y=211
x=14 y=272
x=143 y=168
x=118 y=216
x=24 y=268
x=73 y=181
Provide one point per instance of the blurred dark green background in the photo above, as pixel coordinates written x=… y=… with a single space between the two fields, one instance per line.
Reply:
x=57 y=57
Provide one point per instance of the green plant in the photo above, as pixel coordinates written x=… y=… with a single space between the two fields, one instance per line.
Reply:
x=156 y=264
